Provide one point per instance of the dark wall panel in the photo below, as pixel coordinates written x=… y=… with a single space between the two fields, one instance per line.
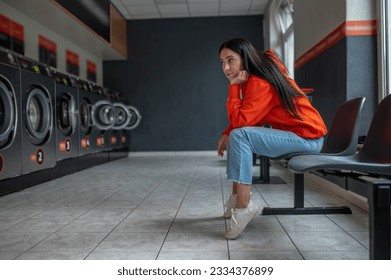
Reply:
x=326 y=74
x=338 y=75
x=173 y=76
x=362 y=75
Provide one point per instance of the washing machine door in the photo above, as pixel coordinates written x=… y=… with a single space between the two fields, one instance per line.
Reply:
x=103 y=115
x=39 y=114
x=122 y=116
x=135 y=118
x=8 y=116
x=85 y=115
x=66 y=113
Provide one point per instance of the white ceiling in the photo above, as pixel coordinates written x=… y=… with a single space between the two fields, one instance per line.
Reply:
x=154 y=9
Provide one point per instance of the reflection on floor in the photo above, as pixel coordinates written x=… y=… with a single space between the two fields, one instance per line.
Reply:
x=169 y=206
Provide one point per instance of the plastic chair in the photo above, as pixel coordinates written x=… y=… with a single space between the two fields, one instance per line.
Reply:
x=341 y=140
x=374 y=160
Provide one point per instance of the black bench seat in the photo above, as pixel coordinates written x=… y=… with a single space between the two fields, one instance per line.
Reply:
x=373 y=160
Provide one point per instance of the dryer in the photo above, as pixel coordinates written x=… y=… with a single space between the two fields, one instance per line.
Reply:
x=103 y=119
x=66 y=123
x=38 y=114
x=122 y=118
x=135 y=119
x=96 y=116
x=10 y=124
x=84 y=127
x=127 y=118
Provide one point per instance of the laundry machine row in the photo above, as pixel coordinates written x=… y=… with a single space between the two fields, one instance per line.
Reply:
x=67 y=123
x=52 y=124
x=96 y=117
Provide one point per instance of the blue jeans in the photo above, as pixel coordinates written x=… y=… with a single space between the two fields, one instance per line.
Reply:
x=245 y=141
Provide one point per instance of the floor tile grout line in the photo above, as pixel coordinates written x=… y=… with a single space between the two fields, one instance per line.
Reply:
x=59 y=229
x=51 y=234
x=173 y=220
x=346 y=231
x=158 y=185
x=344 y=226
x=225 y=220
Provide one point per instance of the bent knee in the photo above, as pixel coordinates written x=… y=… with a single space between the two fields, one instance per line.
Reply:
x=236 y=134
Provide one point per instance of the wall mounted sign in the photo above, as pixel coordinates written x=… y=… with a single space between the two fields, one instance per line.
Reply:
x=91 y=71
x=17 y=34
x=72 y=63
x=47 y=51
x=5 y=32
x=11 y=35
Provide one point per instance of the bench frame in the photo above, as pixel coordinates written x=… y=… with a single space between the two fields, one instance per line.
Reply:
x=379 y=201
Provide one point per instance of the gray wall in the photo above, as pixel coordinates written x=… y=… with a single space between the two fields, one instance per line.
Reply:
x=173 y=76
x=338 y=75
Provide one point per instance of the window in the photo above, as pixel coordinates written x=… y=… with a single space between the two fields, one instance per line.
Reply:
x=285 y=18
x=384 y=47
x=278 y=30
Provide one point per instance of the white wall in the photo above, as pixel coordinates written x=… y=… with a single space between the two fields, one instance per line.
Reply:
x=315 y=19
x=31 y=31
x=360 y=9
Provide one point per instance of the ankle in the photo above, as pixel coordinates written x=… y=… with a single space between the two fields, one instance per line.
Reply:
x=241 y=204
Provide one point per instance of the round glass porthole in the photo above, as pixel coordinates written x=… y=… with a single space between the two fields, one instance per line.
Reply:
x=7 y=113
x=85 y=115
x=122 y=116
x=38 y=113
x=135 y=118
x=103 y=113
x=66 y=114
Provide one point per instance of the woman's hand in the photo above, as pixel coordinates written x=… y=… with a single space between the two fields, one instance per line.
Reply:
x=240 y=78
x=222 y=145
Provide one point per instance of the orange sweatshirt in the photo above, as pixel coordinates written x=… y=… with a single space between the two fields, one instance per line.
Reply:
x=260 y=105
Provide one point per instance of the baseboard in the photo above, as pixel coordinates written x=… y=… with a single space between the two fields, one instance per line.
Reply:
x=353 y=198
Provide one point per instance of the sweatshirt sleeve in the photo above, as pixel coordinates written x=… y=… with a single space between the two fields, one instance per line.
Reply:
x=256 y=102
x=227 y=131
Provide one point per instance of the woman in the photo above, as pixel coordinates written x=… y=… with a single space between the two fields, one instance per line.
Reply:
x=269 y=115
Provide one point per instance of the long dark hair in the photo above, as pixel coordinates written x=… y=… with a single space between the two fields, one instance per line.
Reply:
x=264 y=65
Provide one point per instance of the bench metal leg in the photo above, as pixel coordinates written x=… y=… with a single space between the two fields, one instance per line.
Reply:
x=298 y=204
x=379 y=200
x=264 y=172
x=298 y=201
x=255 y=159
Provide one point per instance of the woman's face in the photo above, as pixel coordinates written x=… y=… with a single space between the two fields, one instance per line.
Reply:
x=231 y=63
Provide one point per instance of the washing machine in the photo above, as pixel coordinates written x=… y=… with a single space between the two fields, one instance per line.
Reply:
x=10 y=124
x=96 y=116
x=103 y=119
x=135 y=119
x=122 y=118
x=127 y=119
x=66 y=123
x=85 y=97
x=37 y=89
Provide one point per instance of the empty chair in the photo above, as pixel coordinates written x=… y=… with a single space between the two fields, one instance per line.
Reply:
x=374 y=160
x=341 y=139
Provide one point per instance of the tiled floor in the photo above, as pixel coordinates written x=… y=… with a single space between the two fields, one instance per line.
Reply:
x=169 y=206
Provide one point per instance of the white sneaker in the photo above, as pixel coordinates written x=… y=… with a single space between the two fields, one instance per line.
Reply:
x=229 y=205
x=239 y=220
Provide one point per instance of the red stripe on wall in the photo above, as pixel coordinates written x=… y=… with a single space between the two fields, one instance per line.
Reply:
x=348 y=28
